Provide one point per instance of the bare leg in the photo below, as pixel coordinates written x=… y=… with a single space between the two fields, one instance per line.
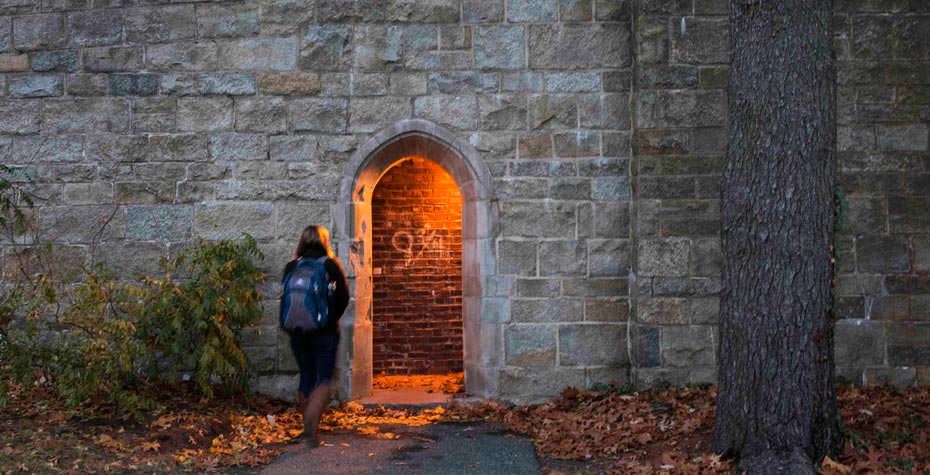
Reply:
x=301 y=402
x=316 y=404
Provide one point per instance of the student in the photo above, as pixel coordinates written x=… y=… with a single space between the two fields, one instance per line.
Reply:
x=316 y=352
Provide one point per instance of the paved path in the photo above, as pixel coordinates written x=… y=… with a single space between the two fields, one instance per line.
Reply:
x=439 y=449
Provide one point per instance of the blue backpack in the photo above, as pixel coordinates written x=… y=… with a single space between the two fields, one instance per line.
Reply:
x=303 y=306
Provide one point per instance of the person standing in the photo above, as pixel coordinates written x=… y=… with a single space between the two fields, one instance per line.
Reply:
x=316 y=352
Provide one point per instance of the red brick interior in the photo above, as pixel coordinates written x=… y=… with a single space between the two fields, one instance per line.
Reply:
x=417 y=259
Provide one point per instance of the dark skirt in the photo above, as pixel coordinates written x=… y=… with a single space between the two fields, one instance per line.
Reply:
x=316 y=358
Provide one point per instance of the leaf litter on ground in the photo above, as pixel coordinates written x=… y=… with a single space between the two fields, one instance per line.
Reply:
x=612 y=431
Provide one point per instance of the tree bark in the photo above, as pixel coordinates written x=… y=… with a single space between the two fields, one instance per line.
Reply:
x=776 y=403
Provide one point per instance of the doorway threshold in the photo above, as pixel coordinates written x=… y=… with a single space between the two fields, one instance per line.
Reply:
x=405 y=398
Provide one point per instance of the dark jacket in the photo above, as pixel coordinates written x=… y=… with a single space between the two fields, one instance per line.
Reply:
x=340 y=299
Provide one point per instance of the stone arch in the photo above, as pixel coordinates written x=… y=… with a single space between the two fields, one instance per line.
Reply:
x=352 y=231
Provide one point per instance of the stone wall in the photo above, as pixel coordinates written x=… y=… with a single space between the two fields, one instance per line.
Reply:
x=600 y=126
x=416 y=219
x=883 y=264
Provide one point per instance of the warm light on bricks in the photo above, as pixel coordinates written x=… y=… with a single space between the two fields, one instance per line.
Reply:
x=417 y=259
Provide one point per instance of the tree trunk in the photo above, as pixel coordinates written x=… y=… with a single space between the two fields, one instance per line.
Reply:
x=776 y=404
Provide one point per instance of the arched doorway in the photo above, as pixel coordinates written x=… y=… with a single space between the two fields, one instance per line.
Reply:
x=482 y=333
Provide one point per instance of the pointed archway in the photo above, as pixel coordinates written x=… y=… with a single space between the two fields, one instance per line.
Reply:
x=353 y=235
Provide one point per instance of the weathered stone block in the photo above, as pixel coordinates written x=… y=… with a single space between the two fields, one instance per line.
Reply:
x=529 y=345
x=662 y=311
x=573 y=82
x=562 y=258
x=608 y=257
x=54 y=61
x=270 y=53
x=533 y=287
x=177 y=148
x=154 y=114
x=368 y=115
x=420 y=38
x=579 y=46
x=378 y=48
x=899 y=377
x=87 y=85
x=423 y=11
x=663 y=257
x=158 y=223
x=706 y=257
x=47 y=149
x=34 y=32
x=202 y=114
x=133 y=84
x=317 y=114
x=179 y=84
x=36 y=85
x=144 y=193
x=115 y=148
x=517 y=257
x=500 y=47
x=231 y=220
x=546 y=310
x=652 y=39
x=921 y=254
x=522 y=82
x=593 y=345
x=701 y=41
x=233 y=84
x=235 y=147
x=542 y=168
x=909 y=214
x=160 y=24
x=532 y=10
x=284 y=17
x=292 y=218
x=483 y=11
x=95 y=27
x=611 y=219
x=606 y=310
x=569 y=188
x=459 y=113
x=187 y=57
x=535 y=146
x=227 y=20
x=595 y=287
x=859 y=343
x=882 y=254
x=326 y=47
x=903 y=137
x=264 y=115
x=646 y=351
x=604 y=111
x=660 y=109
x=6 y=33
x=908 y=344
x=294 y=148
x=610 y=189
x=85 y=115
x=552 y=112
x=667 y=76
x=462 y=83
x=705 y=311
x=577 y=144
x=688 y=346
x=612 y=10
x=575 y=10
x=82 y=224
x=130 y=260
x=98 y=193
x=14 y=62
x=535 y=385
x=295 y=83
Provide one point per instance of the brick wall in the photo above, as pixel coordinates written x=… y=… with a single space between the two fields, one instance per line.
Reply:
x=417 y=264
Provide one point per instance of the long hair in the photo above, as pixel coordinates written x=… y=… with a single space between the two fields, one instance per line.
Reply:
x=314 y=236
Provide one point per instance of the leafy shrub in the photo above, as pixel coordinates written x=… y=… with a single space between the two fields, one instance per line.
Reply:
x=87 y=335
x=195 y=324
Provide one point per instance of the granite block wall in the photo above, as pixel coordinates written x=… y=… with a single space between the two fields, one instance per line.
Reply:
x=601 y=125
